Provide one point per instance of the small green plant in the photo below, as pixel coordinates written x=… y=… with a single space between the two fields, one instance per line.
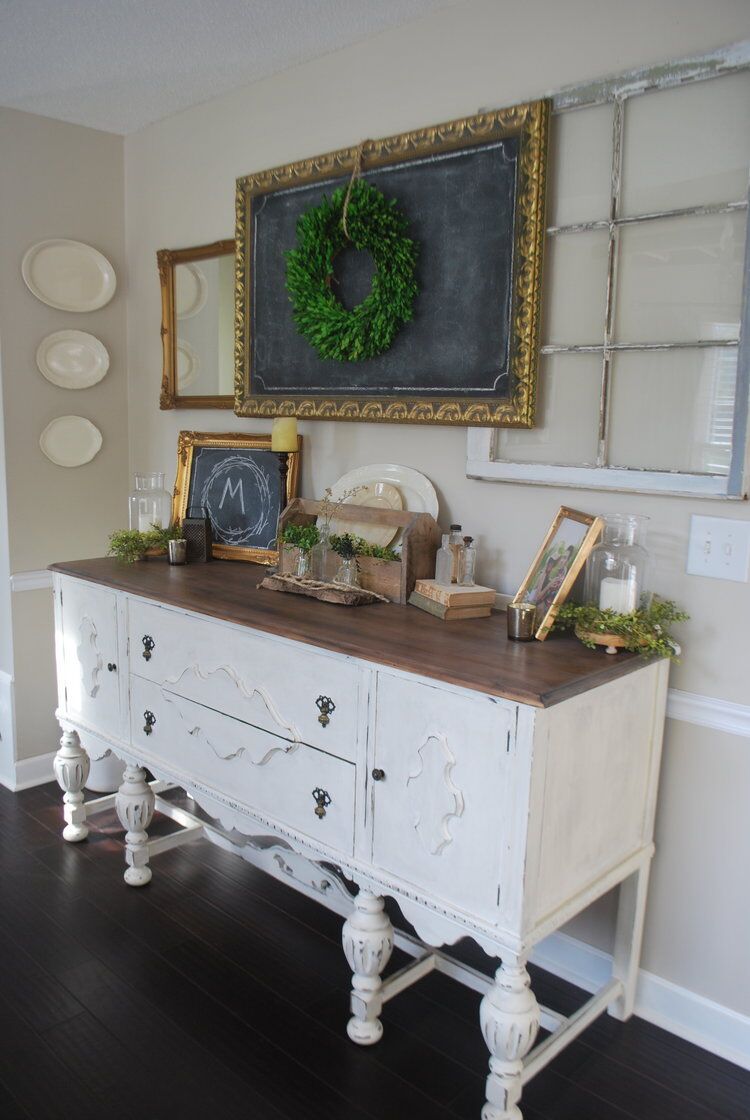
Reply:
x=644 y=630
x=132 y=544
x=303 y=537
x=363 y=547
x=345 y=545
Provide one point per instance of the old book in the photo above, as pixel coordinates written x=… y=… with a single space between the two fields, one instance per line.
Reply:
x=447 y=614
x=456 y=595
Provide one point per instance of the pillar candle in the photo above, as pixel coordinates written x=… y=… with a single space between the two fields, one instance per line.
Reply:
x=284 y=434
x=617 y=595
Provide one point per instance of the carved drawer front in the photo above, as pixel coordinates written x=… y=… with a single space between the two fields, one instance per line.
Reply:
x=281 y=687
x=441 y=790
x=295 y=785
x=90 y=655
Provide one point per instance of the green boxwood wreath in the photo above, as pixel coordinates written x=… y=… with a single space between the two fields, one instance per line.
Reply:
x=374 y=224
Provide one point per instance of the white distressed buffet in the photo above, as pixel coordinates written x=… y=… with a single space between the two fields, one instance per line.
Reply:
x=493 y=789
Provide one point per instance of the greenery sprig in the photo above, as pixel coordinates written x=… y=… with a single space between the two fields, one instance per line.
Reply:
x=374 y=224
x=644 y=630
x=360 y=547
x=132 y=544
x=303 y=537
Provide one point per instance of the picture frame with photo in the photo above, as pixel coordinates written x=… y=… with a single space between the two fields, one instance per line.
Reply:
x=563 y=552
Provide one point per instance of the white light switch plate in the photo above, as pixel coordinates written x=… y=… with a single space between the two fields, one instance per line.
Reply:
x=719 y=548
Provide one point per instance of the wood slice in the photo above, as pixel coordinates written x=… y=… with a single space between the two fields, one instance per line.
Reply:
x=345 y=596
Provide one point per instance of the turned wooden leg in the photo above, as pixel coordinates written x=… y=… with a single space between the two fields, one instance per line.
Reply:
x=135 y=808
x=367 y=937
x=71 y=770
x=509 y=1017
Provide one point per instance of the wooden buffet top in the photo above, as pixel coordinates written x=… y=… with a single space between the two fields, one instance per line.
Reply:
x=474 y=654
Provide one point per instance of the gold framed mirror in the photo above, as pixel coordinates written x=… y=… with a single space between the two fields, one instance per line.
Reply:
x=197 y=326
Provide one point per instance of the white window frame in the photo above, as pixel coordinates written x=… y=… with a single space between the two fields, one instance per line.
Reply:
x=482 y=459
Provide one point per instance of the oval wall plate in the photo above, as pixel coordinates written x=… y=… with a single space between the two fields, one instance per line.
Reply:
x=68 y=275
x=70 y=441
x=72 y=359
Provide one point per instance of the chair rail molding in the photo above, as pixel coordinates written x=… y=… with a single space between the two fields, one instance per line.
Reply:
x=707 y=711
x=31 y=581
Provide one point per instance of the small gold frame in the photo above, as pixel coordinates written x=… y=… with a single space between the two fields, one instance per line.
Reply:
x=530 y=122
x=595 y=525
x=186 y=444
x=167 y=260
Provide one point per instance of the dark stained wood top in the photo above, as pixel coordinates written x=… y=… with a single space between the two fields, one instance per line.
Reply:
x=474 y=654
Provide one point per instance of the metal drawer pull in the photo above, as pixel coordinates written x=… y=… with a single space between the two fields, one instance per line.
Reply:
x=148 y=645
x=323 y=800
x=326 y=707
x=111 y=666
x=150 y=719
x=378 y=774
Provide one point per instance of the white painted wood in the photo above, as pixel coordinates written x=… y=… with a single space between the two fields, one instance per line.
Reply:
x=492 y=819
x=631 y=912
x=706 y=711
x=31 y=581
x=71 y=771
x=367 y=938
x=134 y=803
x=570 y=1029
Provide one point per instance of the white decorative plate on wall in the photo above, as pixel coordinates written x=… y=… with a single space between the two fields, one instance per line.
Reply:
x=374 y=495
x=68 y=275
x=416 y=491
x=72 y=359
x=191 y=290
x=70 y=441
x=188 y=364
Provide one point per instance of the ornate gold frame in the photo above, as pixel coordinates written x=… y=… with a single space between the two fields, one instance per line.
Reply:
x=166 y=260
x=187 y=442
x=531 y=123
x=595 y=525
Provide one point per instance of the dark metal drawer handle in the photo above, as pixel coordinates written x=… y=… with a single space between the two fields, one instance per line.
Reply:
x=322 y=801
x=326 y=707
x=378 y=775
x=148 y=645
x=111 y=666
x=150 y=719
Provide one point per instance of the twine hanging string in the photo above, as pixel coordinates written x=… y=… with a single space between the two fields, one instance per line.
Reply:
x=356 y=172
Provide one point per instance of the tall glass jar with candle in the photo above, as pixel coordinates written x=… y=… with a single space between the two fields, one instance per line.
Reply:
x=149 y=503
x=617 y=569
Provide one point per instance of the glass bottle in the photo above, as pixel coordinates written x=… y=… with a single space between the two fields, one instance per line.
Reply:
x=469 y=563
x=443 y=562
x=347 y=575
x=617 y=568
x=456 y=547
x=320 y=553
x=149 y=503
x=302 y=570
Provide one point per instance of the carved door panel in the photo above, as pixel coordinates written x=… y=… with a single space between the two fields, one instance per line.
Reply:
x=90 y=656
x=440 y=798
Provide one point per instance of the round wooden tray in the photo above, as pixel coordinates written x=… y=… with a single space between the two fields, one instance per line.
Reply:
x=611 y=642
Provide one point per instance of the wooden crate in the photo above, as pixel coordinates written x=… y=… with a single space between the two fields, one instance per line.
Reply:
x=395 y=579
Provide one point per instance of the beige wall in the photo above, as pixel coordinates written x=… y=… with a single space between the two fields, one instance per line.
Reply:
x=180 y=191
x=56 y=180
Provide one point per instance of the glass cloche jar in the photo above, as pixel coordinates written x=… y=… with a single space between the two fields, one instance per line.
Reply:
x=149 y=504
x=617 y=569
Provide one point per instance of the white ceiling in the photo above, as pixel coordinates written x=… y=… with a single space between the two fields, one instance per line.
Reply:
x=121 y=64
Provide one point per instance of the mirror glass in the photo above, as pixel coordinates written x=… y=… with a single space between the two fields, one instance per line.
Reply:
x=198 y=326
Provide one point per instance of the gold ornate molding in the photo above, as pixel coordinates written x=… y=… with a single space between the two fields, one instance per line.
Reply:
x=530 y=122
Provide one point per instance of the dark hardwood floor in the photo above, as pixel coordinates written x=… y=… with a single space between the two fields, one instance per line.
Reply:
x=217 y=991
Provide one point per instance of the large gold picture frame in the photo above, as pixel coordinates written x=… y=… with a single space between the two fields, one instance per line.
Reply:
x=190 y=442
x=530 y=123
x=556 y=565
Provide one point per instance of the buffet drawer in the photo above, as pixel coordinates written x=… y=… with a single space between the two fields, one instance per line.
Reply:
x=282 y=687
x=258 y=770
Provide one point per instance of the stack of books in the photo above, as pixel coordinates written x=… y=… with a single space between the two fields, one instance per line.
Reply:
x=452 y=601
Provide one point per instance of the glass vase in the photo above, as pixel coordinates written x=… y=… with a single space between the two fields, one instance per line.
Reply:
x=302 y=571
x=149 y=503
x=617 y=569
x=347 y=575
x=320 y=553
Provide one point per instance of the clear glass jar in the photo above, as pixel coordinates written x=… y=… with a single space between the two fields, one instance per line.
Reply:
x=149 y=504
x=302 y=570
x=468 y=563
x=444 y=562
x=320 y=553
x=456 y=546
x=348 y=574
x=617 y=569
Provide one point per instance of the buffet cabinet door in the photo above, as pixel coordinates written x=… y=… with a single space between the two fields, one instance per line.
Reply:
x=441 y=790
x=90 y=658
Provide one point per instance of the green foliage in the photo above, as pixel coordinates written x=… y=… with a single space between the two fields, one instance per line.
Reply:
x=131 y=544
x=645 y=630
x=374 y=224
x=303 y=537
x=360 y=547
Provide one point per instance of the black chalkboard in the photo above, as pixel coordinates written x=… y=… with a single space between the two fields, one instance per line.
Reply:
x=240 y=487
x=461 y=208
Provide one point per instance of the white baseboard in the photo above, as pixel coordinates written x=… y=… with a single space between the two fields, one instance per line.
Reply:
x=34 y=771
x=687 y=1014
